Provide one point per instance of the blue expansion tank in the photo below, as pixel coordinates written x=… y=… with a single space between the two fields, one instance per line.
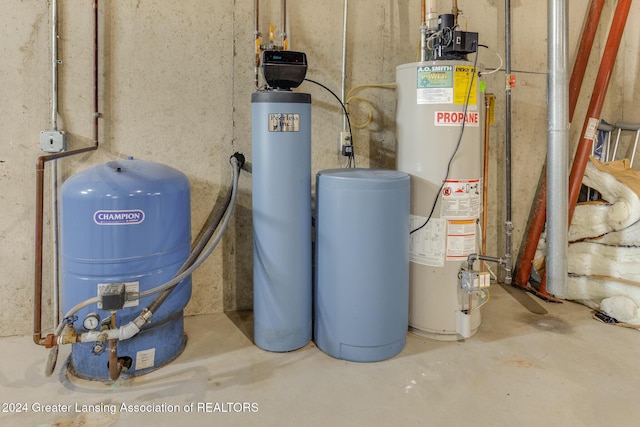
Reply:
x=126 y=222
x=362 y=263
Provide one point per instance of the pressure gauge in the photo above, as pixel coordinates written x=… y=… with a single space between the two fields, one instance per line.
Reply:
x=91 y=321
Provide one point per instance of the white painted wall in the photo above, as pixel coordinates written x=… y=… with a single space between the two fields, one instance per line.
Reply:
x=176 y=81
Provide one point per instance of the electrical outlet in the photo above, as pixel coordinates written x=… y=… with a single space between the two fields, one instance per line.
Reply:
x=53 y=141
x=345 y=140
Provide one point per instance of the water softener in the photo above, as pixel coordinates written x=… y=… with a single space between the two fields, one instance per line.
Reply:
x=281 y=151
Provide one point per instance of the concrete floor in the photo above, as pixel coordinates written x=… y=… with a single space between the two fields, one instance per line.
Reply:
x=557 y=369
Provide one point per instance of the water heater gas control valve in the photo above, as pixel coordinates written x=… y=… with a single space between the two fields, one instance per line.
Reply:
x=472 y=281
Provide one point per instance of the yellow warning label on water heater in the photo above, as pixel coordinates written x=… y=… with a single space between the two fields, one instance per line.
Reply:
x=464 y=76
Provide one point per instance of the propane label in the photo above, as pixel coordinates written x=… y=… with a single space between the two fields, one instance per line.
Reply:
x=461 y=198
x=461 y=239
x=282 y=122
x=435 y=84
x=455 y=118
x=464 y=75
x=118 y=217
x=145 y=359
x=427 y=245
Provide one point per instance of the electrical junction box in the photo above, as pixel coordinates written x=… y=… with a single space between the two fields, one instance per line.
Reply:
x=113 y=296
x=53 y=141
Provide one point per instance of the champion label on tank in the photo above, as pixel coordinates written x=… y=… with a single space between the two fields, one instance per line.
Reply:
x=118 y=217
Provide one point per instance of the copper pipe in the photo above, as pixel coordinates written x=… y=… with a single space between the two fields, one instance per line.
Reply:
x=115 y=367
x=96 y=99
x=283 y=32
x=455 y=11
x=37 y=301
x=538 y=214
x=423 y=12
x=40 y=166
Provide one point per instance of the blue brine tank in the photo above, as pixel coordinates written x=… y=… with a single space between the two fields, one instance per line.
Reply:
x=126 y=222
x=362 y=263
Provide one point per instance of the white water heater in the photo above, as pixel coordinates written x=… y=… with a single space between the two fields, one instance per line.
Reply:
x=439 y=132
